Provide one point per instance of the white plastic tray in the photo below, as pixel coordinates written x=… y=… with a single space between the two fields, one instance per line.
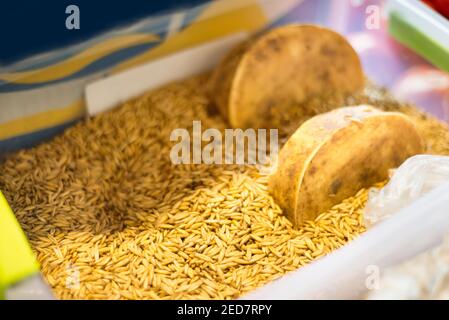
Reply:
x=343 y=273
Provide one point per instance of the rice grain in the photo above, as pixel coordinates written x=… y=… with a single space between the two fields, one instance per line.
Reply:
x=110 y=217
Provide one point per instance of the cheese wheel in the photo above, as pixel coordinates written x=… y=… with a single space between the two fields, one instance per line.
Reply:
x=267 y=81
x=335 y=154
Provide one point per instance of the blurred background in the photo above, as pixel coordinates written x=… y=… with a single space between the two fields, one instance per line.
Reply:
x=42 y=23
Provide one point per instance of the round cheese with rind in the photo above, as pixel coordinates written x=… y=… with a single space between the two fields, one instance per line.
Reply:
x=267 y=81
x=335 y=154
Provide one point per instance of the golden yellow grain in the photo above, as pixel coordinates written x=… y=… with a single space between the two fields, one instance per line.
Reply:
x=110 y=217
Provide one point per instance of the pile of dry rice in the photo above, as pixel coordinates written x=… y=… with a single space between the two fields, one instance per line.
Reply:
x=110 y=217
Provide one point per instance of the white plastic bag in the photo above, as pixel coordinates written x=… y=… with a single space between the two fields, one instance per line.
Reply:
x=423 y=277
x=414 y=178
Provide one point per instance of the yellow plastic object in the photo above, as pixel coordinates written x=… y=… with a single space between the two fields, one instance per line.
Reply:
x=17 y=260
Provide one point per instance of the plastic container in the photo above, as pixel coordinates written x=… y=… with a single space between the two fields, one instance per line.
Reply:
x=421 y=28
x=344 y=273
